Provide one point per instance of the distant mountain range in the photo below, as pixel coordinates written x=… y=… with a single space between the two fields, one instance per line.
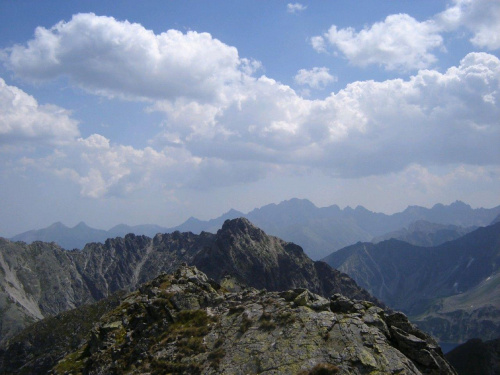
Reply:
x=318 y=230
x=41 y=279
x=451 y=290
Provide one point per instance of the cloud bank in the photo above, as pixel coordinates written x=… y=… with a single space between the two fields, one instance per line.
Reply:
x=224 y=125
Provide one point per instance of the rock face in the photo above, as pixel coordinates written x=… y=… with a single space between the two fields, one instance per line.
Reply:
x=41 y=280
x=186 y=323
x=450 y=290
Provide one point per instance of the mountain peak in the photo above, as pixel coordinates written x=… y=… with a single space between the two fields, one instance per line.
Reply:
x=239 y=225
x=459 y=204
x=81 y=225
x=299 y=203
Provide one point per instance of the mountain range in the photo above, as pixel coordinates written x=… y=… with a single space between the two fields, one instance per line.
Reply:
x=41 y=279
x=451 y=291
x=319 y=231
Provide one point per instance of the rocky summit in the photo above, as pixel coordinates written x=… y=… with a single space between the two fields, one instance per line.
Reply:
x=186 y=323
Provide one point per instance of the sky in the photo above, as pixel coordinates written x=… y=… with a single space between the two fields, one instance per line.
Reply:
x=152 y=112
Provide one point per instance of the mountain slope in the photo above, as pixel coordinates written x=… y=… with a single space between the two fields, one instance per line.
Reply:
x=186 y=323
x=476 y=357
x=41 y=280
x=424 y=233
x=435 y=280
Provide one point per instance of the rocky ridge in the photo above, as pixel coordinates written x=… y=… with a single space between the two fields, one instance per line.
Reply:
x=186 y=323
x=41 y=279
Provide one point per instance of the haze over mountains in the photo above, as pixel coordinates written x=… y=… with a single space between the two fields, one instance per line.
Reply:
x=318 y=230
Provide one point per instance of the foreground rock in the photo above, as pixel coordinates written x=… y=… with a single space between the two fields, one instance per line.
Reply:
x=186 y=323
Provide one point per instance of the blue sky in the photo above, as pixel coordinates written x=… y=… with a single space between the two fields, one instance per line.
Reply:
x=151 y=112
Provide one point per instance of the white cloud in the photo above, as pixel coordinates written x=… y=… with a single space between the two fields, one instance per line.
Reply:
x=101 y=168
x=22 y=119
x=295 y=7
x=367 y=128
x=318 y=43
x=316 y=78
x=221 y=121
x=481 y=17
x=115 y=58
x=398 y=43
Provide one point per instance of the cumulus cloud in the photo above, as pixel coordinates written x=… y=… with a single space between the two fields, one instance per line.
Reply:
x=367 y=128
x=295 y=7
x=22 y=119
x=222 y=121
x=316 y=78
x=481 y=17
x=398 y=43
x=101 y=168
x=119 y=58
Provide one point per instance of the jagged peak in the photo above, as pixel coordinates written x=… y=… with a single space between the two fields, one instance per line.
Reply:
x=240 y=223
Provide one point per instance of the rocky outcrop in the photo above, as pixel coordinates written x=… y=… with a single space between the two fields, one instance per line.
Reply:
x=41 y=280
x=186 y=323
